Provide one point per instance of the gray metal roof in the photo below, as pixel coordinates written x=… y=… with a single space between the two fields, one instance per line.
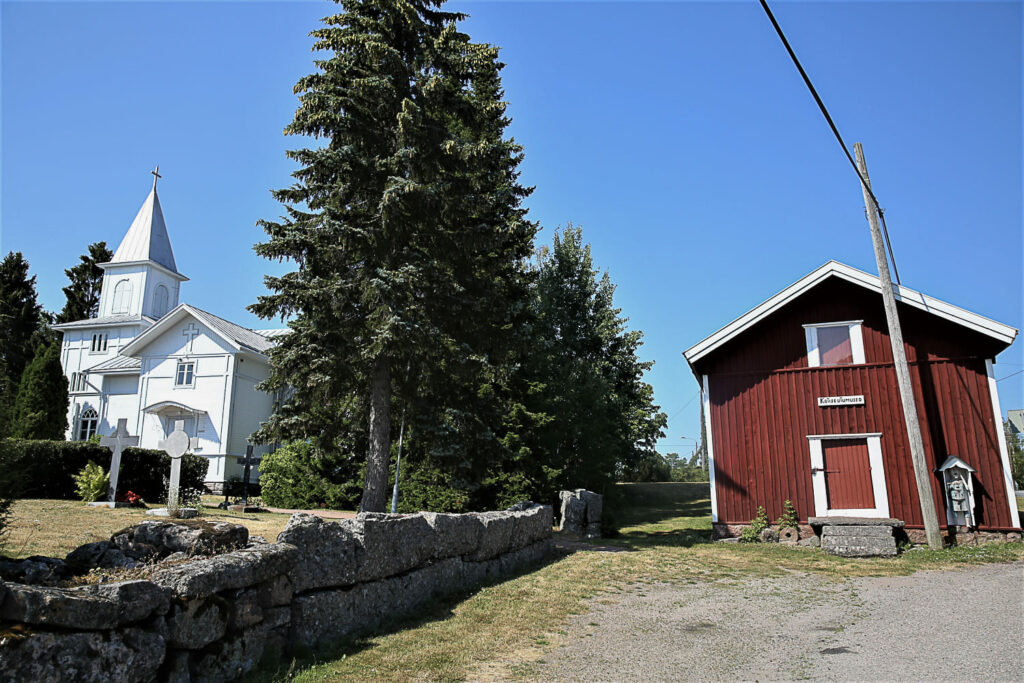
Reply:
x=1016 y=418
x=106 y=320
x=242 y=336
x=272 y=334
x=117 y=364
x=147 y=238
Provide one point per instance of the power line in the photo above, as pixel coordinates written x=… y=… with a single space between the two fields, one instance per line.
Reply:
x=835 y=131
x=1010 y=375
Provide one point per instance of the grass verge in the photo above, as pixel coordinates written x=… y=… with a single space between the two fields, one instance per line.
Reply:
x=481 y=635
x=56 y=527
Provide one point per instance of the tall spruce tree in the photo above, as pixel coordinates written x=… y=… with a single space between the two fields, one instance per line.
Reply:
x=407 y=233
x=82 y=296
x=40 y=411
x=21 y=319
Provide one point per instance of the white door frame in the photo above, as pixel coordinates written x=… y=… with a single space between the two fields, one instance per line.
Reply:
x=821 y=509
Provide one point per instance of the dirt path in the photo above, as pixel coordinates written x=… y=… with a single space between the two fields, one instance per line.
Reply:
x=951 y=625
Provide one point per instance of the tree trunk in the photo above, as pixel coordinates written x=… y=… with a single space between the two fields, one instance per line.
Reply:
x=375 y=488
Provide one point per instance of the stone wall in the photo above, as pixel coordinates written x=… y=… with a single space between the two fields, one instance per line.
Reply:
x=213 y=619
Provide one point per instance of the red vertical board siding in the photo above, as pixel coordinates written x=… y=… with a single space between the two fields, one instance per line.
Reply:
x=764 y=405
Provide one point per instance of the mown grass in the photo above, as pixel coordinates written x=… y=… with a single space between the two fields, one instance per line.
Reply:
x=665 y=537
x=56 y=527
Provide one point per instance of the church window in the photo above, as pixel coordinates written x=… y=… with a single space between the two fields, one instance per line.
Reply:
x=78 y=381
x=160 y=298
x=87 y=424
x=186 y=375
x=122 y=297
x=99 y=343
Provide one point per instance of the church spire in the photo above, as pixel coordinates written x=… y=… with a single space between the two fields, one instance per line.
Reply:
x=146 y=239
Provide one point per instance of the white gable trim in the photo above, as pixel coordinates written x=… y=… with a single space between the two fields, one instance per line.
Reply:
x=1004 y=451
x=960 y=316
x=135 y=346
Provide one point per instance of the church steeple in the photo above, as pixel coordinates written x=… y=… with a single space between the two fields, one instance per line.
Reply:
x=147 y=238
x=142 y=278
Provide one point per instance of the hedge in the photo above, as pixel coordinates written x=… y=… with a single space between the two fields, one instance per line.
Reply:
x=46 y=469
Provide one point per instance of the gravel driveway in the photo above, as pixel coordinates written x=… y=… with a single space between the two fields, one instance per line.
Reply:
x=949 y=625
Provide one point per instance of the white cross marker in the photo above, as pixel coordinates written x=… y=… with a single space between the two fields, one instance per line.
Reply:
x=190 y=332
x=117 y=442
x=175 y=445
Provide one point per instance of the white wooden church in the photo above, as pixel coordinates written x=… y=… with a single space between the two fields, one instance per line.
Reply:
x=152 y=360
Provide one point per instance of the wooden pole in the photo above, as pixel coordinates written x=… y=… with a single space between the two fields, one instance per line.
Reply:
x=899 y=355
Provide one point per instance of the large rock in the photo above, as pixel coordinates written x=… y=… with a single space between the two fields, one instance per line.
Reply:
x=193 y=537
x=237 y=569
x=34 y=570
x=573 y=513
x=392 y=544
x=197 y=623
x=96 y=607
x=455 y=535
x=326 y=555
x=129 y=654
x=594 y=503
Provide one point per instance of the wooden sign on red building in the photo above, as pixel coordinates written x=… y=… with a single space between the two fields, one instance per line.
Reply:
x=801 y=403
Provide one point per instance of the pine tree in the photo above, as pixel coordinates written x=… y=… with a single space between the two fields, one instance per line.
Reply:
x=407 y=233
x=21 y=320
x=40 y=411
x=83 y=294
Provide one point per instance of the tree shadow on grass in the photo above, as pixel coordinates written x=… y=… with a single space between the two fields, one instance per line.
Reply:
x=283 y=666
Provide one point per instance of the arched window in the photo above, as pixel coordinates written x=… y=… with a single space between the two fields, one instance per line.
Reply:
x=160 y=301
x=122 y=297
x=87 y=424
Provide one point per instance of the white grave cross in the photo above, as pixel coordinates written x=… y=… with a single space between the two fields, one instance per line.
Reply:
x=190 y=333
x=175 y=445
x=117 y=442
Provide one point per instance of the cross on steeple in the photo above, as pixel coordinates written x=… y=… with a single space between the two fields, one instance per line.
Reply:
x=156 y=175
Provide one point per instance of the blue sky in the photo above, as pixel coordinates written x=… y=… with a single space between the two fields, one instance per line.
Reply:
x=678 y=134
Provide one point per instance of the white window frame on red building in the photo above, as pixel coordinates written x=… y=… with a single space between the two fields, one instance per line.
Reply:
x=856 y=342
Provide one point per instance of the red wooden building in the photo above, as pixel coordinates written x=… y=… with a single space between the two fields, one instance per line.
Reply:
x=801 y=403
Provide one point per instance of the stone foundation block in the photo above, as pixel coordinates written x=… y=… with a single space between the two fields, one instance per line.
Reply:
x=496 y=535
x=128 y=654
x=197 y=623
x=392 y=544
x=94 y=607
x=531 y=525
x=237 y=569
x=455 y=534
x=327 y=552
x=276 y=592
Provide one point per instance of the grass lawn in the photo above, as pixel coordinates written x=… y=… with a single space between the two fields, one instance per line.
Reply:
x=491 y=631
x=56 y=527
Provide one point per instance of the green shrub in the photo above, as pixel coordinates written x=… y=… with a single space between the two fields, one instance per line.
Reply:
x=298 y=476
x=752 y=534
x=91 y=483
x=46 y=469
x=788 y=519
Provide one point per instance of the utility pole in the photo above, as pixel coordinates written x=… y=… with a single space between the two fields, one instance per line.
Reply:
x=899 y=356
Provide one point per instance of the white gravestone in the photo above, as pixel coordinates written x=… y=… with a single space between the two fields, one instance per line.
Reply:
x=117 y=442
x=175 y=445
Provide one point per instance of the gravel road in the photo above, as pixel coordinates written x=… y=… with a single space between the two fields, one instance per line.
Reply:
x=931 y=626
